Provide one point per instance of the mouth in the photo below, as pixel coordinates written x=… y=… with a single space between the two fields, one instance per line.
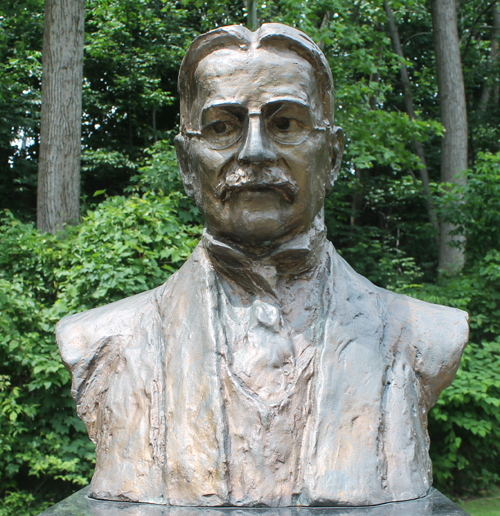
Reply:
x=285 y=190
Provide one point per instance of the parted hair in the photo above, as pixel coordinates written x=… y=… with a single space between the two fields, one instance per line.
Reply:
x=270 y=35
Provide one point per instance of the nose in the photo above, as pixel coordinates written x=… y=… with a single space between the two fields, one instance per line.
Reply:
x=256 y=146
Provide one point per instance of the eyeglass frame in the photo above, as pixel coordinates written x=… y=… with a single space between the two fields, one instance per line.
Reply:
x=260 y=114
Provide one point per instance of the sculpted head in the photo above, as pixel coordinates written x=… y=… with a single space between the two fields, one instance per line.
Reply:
x=257 y=149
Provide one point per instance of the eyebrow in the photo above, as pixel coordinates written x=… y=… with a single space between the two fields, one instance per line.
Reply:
x=277 y=105
x=236 y=105
x=221 y=105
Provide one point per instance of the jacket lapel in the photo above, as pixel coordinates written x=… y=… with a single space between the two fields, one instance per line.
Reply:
x=195 y=460
x=343 y=463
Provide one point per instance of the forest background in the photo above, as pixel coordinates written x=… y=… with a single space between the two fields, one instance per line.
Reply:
x=137 y=225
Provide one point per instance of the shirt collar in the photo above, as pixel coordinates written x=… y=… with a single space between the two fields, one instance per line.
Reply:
x=294 y=257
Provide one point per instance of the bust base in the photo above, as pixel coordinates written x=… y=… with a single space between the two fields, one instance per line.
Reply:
x=79 y=504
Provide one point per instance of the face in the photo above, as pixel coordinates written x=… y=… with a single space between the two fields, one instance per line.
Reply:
x=257 y=145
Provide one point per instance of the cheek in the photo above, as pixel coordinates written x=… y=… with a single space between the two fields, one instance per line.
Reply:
x=309 y=165
x=207 y=163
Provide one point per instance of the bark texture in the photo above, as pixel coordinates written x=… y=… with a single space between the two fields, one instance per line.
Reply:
x=453 y=116
x=495 y=48
x=410 y=109
x=60 y=134
x=495 y=35
x=253 y=21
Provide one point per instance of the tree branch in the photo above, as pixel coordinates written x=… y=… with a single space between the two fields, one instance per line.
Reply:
x=471 y=28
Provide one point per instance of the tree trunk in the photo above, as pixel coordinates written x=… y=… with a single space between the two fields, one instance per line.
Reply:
x=453 y=117
x=357 y=200
x=410 y=109
x=495 y=34
x=252 y=20
x=60 y=131
x=359 y=196
x=495 y=49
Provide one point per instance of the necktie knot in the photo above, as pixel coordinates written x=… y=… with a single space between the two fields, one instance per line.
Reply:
x=266 y=315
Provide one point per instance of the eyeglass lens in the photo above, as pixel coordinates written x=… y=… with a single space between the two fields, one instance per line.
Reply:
x=285 y=123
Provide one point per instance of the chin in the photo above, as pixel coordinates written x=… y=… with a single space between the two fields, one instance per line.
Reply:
x=256 y=218
x=259 y=228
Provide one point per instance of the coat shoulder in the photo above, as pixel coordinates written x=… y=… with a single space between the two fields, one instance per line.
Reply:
x=439 y=324
x=75 y=334
x=431 y=337
x=434 y=336
x=80 y=335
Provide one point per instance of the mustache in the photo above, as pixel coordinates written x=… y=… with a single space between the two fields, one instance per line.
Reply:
x=255 y=178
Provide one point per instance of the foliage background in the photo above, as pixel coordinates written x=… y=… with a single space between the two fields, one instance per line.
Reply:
x=138 y=226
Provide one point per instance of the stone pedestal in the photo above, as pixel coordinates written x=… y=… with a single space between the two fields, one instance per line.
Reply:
x=79 y=504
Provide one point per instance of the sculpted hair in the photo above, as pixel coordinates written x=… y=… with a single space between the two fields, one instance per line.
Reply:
x=271 y=35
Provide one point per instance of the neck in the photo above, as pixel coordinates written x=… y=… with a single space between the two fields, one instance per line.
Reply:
x=261 y=270
x=304 y=239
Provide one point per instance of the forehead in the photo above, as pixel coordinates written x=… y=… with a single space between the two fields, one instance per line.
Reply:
x=252 y=78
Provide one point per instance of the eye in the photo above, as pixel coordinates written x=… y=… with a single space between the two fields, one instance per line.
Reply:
x=282 y=123
x=219 y=127
x=287 y=130
x=222 y=133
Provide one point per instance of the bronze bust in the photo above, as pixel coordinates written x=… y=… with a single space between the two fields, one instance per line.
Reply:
x=265 y=372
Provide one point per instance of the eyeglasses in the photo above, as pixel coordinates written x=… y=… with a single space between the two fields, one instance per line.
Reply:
x=286 y=124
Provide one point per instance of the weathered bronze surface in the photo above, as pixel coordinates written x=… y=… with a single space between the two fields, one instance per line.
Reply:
x=265 y=372
x=79 y=504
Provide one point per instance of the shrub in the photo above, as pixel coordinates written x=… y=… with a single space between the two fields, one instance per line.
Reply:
x=465 y=424
x=126 y=246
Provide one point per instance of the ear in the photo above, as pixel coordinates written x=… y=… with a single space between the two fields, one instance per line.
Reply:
x=336 y=150
x=189 y=178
